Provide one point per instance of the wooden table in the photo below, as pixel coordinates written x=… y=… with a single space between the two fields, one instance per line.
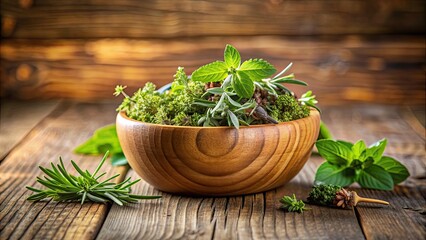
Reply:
x=34 y=134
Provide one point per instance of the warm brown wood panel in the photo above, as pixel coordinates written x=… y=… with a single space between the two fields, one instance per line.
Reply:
x=57 y=135
x=386 y=70
x=142 y=19
x=17 y=118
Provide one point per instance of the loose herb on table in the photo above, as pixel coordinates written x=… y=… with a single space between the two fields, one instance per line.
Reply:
x=291 y=204
x=347 y=163
x=64 y=186
x=333 y=195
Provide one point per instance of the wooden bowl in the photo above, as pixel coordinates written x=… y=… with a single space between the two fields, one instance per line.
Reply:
x=217 y=161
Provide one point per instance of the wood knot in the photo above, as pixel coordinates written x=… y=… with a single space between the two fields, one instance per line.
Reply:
x=24 y=72
x=8 y=24
x=26 y=4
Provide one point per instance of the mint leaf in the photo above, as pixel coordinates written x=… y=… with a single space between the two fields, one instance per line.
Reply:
x=212 y=72
x=334 y=152
x=333 y=174
x=398 y=171
x=324 y=132
x=243 y=85
x=118 y=159
x=232 y=57
x=256 y=69
x=358 y=148
x=375 y=177
x=376 y=150
x=347 y=144
x=103 y=139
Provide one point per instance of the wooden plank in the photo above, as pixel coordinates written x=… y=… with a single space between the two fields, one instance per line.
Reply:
x=17 y=118
x=338 y=69
x=255 y=216
x=188 y=18
x=57 y=135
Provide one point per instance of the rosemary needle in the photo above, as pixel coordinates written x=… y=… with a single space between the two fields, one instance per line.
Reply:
x=63 y=186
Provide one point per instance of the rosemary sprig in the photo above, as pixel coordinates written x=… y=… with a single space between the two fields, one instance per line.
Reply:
x=63 y=186
x=291 y=204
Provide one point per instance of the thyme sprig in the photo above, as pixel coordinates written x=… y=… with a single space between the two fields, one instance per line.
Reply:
x=291 y=204
x=63 y=186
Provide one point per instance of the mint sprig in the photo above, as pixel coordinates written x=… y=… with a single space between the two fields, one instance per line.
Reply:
x=241 y=75
x=348 y=163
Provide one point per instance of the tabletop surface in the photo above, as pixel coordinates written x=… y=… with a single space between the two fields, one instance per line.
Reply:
x=37 y=133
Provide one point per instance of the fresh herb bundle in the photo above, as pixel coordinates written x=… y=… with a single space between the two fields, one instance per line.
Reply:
x=291 y=204
x=63 y=186
x=347 y=163
x=229 y=92
x=336 y=196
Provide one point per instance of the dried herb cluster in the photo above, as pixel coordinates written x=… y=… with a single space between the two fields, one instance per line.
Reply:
x=229 y=92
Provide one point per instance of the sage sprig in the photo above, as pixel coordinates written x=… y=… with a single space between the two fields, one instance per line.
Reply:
x=64 y=186
x=347 y=163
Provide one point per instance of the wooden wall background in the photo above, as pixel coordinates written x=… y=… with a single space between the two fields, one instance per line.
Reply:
x=348 y=50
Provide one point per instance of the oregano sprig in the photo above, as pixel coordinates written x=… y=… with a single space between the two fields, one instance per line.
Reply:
x=64 y=186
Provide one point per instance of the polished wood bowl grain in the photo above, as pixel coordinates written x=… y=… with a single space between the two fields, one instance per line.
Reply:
x=217 y=161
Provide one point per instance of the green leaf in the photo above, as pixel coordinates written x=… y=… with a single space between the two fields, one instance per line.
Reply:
x=347 y=144
x=333 y=174
x=118 y=159
x=243 y=85
x=377 y=149
x=234 y=119
x=215 y=90
x=103 y=139
x=375 y=177
x=212 y=72
x=232 y=57
x=358 y=148
x=324 y=132
x=396 y=169
x=334 y=152
x=256 y=69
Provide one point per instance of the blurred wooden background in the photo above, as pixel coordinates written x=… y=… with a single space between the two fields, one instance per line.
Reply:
x=348 y=50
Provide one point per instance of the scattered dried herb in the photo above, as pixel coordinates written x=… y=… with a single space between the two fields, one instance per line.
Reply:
x=63 y=186
x=336 y=196
x=291 y=204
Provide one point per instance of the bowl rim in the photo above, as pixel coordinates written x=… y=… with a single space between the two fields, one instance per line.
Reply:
x=312 y=112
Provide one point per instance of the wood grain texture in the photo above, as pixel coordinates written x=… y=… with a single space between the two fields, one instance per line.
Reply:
x=17 y=118
x=55 y=136
x=219 y=161
x=253 y=216
x=188 y=18
x=385 y=70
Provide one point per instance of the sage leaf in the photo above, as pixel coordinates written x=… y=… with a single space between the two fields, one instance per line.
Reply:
x=212 y=72
x=215 y=90
x=333 y=174
x=398 y=171
x=232 y=57
x=243 y=86
x=334 y=152
x=376 y=150
x=256 y=69
x=234 y=119
x=375 y=177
